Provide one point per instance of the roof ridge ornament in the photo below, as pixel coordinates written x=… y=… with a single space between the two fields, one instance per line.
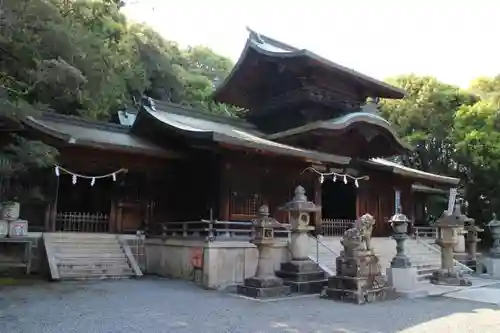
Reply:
x=255 y=36
x=371 y=106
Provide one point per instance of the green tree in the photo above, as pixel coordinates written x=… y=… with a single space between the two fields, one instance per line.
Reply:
x=425 y=118
x=488 y=89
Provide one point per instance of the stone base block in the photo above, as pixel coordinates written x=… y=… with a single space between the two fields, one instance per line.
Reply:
x=308 y=287
x=353 y=296
x=358 y=290
x=303 y=276
x=264 y=282
x=270 y=292
x=356 y=283
x=443 y=277
x=402 y=279
x=300 y=266
x=492 y=266
x=359 y=266
x=263 y=287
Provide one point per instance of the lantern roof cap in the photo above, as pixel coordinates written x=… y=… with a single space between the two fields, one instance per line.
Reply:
x=399 y=217
x=494 y=222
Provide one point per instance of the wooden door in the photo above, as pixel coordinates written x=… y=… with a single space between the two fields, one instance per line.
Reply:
x=130 y=217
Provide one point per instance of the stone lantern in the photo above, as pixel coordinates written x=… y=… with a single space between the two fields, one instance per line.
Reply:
x=472 y=239
x=492 y=261
x=401 y=275
x=265 y=283
x=301 y=273
x=494 y=227
x=399 y=223
x=446 y=225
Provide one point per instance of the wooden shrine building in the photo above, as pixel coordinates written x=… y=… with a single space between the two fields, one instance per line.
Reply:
x=304 y=116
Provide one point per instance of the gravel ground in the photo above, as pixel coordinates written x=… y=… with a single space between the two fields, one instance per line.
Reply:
x=162 y=305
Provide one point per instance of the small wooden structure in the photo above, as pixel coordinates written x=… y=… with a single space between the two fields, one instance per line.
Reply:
x=187 y=165
x=25 y=262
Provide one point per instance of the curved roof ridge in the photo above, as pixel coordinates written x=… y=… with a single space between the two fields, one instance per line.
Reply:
x=269 y=47
x=404 y=170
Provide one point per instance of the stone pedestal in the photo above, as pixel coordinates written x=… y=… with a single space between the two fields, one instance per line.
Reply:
x=401 y=275
x=402 y=279
x=358 y=280
x=301 y=274
x=264 y=287
x=492 y=267
x=265 y=284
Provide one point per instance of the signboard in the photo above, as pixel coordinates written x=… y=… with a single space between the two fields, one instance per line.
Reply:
x=451 y=200
x=397 y=201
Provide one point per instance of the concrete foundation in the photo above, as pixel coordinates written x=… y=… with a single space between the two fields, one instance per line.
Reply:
x=224 y=263
x=403 y=280
x=492 y=266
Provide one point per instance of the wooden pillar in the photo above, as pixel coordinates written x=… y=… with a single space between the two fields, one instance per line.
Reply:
x=317 y=187
x=224 y=191
x=112 y=217
x=53 y=207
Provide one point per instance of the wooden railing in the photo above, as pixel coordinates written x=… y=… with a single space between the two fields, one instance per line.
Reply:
x=336 y=227
x=426 y=232
x=214 y=230
x=82 y=222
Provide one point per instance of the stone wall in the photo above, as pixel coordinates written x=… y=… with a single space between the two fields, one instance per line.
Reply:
x=224 y=263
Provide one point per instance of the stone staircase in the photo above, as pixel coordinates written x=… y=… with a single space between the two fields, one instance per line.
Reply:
x=422 y=256
x=88 y=256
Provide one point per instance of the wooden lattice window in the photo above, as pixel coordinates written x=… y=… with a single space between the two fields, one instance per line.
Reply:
x=246 y=195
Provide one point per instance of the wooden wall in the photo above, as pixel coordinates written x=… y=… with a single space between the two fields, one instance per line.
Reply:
x=249 y=181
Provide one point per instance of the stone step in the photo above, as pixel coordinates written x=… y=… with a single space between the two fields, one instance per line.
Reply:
x=79 y=235
x=85 y=255
x=86 y=263
x=77 y=243
x=89 y=250
x=61 y=257
x=94 y=247
x=94 y=269
x=96 y=275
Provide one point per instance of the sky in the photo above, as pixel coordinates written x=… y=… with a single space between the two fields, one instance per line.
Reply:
x=455 y=41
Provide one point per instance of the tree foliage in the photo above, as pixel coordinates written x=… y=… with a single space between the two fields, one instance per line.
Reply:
x=455 y=132
x=83 y=58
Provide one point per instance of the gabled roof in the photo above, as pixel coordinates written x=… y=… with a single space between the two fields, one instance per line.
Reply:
x=195 y=124
x=100 y=135
x=344 y=122
x=413 y=173
x=234 y=132
x=272 y=49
